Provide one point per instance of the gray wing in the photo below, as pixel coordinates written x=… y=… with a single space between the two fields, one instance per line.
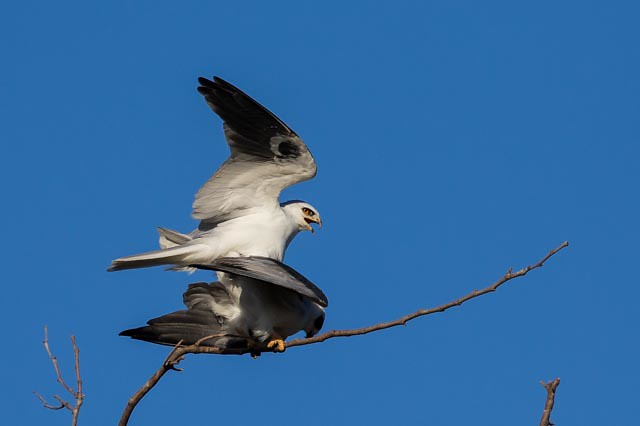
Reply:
x=266 y=156
x=269 y=271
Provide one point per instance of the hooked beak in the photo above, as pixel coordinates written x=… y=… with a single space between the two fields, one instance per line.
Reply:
x=313 y=220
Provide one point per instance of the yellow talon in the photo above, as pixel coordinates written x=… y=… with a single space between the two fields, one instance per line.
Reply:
x=277 y=345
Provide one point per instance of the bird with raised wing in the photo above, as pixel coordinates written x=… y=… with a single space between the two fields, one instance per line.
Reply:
x=238 y=207
x=258 y=302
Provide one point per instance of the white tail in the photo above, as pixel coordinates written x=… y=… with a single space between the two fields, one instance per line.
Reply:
x=171 y=256
x=169 y=238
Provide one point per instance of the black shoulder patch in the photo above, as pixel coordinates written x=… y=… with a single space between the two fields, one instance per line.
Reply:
x=288 y=149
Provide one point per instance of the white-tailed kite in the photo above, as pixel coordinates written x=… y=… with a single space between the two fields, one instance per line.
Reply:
x=238 y=207
x=258 y=301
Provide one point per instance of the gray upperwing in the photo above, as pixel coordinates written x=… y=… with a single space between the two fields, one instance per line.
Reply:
x=266 y=156
x=269 y=271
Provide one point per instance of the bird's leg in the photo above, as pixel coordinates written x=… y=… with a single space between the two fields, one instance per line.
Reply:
x=276 y=344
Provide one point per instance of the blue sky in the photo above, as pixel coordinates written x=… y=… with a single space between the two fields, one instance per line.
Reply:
x=453 y=140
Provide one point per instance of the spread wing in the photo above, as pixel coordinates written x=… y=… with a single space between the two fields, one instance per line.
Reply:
x=269 y=271
x=266 y=156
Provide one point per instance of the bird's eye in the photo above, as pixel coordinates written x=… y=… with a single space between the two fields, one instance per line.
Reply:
x=307 y=211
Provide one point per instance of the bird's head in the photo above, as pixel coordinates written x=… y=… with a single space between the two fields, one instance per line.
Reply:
x=303 y=214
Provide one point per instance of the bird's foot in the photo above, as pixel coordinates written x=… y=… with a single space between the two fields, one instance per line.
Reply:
x=277 y=345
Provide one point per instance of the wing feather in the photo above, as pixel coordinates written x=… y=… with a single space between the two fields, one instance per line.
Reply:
x=269 y=271
x=266 y=156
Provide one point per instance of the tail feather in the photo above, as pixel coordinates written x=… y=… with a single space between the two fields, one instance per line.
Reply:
x=187 y=327
x=174 y=255
x=169 y=238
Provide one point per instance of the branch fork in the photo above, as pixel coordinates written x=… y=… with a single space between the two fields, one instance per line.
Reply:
x=77 y=394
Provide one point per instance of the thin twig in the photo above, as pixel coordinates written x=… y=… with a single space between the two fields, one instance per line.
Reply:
x=77 y=394
x=46 y=404
x=548 y=405
x=178 y=352
x=54 y=361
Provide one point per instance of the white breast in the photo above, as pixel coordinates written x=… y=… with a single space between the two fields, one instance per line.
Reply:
x=263 y=232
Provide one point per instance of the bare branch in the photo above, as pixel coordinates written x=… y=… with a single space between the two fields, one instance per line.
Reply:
x=169 y=363
x=402 y=321
x=548 y=405
x=175 y=356
x=77 y=394
x=178 y=352
x=54 y=361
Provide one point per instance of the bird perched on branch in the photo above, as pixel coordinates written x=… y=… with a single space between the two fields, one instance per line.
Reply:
x=257 y=302
x=238 y=207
